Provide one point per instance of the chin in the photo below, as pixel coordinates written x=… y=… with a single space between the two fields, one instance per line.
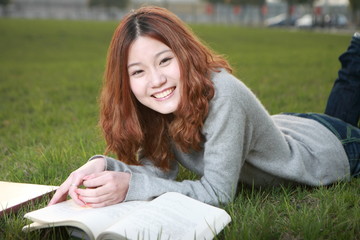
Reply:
x=166 y=111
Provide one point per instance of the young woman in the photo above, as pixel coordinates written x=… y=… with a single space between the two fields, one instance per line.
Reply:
x=169 y=100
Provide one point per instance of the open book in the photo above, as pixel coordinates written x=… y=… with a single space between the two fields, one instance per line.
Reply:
x=169 y=216
x=14 y=195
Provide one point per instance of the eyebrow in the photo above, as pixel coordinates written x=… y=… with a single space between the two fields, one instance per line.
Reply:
x=156 y=55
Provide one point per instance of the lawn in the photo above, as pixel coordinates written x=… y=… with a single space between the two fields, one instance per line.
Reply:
x=50 y=78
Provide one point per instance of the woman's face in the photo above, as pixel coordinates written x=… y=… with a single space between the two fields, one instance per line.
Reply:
x=154 y=75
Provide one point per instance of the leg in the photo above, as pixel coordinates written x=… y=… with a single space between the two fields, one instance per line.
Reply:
x=344 y=99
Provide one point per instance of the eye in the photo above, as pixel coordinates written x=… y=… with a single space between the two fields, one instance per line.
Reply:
x=137 y=72
x=165 y=60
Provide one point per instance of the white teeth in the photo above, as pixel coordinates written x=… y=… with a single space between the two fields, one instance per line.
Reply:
x=164 y=93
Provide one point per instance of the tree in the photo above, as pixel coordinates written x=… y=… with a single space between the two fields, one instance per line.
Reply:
x=355 y=9
x=3 y=4
x=109 y=3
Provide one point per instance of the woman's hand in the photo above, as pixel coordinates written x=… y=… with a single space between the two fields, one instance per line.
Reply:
x=104 y=188
x=75 y=180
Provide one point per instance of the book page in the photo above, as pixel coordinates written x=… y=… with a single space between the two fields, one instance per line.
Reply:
x=92 y=220
x=171 y=216
x=14 y=194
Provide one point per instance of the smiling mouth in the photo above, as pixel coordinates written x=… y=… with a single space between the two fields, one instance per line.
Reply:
x=164 y=94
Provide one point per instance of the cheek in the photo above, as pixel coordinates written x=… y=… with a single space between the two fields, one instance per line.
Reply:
x=174 y=71
x=137 y=89
x=133 y=88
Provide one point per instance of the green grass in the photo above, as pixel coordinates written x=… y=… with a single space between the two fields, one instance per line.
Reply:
x=50 y=77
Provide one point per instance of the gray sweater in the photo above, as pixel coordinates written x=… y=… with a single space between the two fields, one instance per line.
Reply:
x=243 y=143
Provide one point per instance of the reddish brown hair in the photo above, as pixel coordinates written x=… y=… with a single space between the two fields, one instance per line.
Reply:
x=127 y=125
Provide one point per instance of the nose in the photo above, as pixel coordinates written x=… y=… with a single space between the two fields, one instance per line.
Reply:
x=157 y=78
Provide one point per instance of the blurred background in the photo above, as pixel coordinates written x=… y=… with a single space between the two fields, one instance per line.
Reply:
x=319 y=14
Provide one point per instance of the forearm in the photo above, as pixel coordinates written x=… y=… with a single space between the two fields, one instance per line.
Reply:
x=111 y=164
x=148 y=181
x=144 y=187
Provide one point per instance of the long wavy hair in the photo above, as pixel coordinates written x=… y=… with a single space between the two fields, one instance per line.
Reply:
x=128 y=126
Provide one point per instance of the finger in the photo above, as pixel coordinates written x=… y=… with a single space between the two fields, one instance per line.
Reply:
x=75 y=197
x=96 y=185
x=107 y=202
x=59 y=196
x=69 y=187
x=95 y=188
x=95 y=199
x=92 y=192
x=95 y=180
x=71 y=192
x=61 y=193
x=73 y=187
x=99 y=205
x=93 y=175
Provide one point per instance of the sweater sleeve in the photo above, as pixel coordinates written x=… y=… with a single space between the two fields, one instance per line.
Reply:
x=224 y=132
x=223 y=158
x=220 y=159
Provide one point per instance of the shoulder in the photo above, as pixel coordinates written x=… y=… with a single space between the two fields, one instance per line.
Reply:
x=229 y=87
x=232 y=101
x=225 y=83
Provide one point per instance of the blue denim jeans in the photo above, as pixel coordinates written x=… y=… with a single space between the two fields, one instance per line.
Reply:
x=342 y=111
x=344 y=99
x=348 y=135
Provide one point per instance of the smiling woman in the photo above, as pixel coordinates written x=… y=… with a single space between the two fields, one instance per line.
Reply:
x=154 y=74
x=167 y=99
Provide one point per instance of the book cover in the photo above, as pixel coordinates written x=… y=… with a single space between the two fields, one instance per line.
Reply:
x=13 y=195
